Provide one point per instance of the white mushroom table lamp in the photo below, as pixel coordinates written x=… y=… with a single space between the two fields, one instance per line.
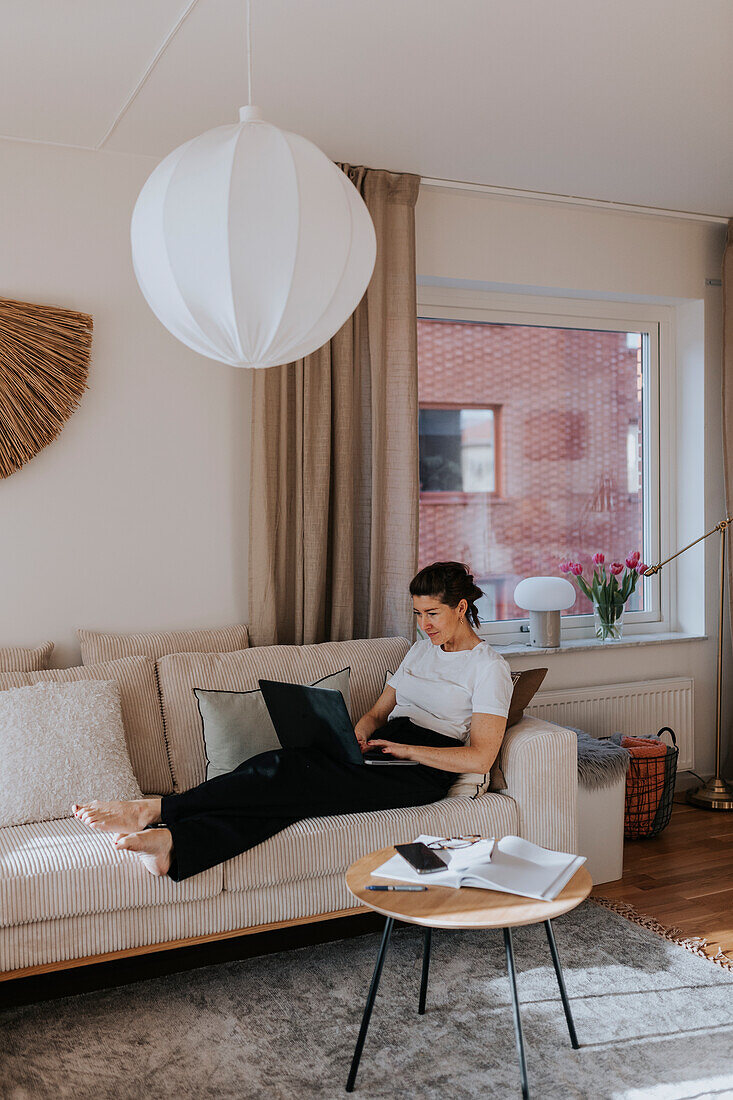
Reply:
x=544 y=598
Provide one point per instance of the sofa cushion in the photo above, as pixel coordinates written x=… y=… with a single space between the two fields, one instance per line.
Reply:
x=236 y=725
x=323 y=845
x=61 y=743
x=141 y=714
x=16 y=658
x=53 y=869
x=526 y=685
x=180 y=673
x=99 y=646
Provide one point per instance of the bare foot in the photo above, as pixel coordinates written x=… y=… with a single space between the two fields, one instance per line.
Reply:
x=119 y=817
x=154 y=847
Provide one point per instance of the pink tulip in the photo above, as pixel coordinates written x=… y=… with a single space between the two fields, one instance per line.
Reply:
x=617 y=568
x=641 y=568
x=633 y=560
x=576 y=568
x=598 y=559
x=564 y=566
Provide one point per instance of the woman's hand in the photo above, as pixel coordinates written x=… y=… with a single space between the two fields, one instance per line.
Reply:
x=487 y=731
x=375 y=718
x=394 y=748
x=362 y=730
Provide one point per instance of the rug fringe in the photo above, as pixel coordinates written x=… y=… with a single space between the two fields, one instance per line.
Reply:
x=695 y=944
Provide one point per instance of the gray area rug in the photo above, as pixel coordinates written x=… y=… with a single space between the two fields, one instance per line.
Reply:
x=655 y=1022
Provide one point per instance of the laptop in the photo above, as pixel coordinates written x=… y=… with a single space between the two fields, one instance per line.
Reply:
x=316 y=718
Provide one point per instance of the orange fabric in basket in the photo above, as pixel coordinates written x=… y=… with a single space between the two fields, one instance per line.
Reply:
x=644 y=784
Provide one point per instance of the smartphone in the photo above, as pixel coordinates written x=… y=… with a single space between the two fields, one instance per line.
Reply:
x=423 y=859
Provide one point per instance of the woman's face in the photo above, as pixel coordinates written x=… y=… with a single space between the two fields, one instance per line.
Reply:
x=439 y=621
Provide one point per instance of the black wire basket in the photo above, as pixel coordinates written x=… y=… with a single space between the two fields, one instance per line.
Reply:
x=650 y=782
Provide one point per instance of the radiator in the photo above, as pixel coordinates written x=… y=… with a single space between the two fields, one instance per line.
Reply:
x=643 y=707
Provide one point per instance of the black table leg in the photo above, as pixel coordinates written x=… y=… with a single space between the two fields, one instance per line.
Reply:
x=370 y=1004
x=515 y=1007
x=561 y=983
x=425 y=968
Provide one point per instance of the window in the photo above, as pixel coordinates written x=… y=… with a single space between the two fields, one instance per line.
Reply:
x=458 y=450
x=538 y=443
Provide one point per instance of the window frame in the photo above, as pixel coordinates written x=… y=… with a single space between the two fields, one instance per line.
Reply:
x=657 y=325
x=460 y=496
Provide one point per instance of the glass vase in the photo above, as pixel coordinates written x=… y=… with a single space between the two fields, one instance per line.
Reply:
x=608 y=621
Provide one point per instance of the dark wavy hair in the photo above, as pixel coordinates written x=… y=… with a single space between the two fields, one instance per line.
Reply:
x=448 y=582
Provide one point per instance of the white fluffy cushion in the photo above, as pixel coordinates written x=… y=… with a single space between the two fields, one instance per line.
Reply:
x=61 y=743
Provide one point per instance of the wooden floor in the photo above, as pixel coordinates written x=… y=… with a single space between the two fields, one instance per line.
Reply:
x=683 y=877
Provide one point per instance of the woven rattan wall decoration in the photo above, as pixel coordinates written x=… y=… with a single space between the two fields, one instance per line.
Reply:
x=44 y=362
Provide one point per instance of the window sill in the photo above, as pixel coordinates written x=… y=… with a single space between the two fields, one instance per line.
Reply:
x=577 y=645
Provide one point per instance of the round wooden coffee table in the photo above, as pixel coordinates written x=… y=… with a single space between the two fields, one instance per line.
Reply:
x=467 y=907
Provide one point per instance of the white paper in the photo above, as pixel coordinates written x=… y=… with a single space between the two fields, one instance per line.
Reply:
x=511 y=865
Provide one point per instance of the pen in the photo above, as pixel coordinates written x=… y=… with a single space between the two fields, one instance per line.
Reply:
x=402 y=889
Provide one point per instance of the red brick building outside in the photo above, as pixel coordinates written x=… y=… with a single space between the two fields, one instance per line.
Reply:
x=567 y=451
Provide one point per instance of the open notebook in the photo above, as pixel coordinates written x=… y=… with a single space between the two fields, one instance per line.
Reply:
x=511 y=865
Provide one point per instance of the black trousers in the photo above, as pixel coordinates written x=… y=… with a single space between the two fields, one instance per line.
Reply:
x=231 y=813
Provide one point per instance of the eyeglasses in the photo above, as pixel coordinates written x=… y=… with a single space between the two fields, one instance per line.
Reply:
x=453 y=842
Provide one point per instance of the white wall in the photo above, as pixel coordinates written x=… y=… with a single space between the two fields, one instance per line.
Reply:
x=136 y=516
x=480 y=240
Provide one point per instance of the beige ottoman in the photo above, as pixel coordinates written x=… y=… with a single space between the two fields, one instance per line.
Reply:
x=601 y=829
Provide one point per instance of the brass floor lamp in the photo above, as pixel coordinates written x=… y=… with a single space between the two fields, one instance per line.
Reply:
x=716 y=794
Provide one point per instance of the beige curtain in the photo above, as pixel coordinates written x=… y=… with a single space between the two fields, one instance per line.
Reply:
x=728 y=392
x=334 y=497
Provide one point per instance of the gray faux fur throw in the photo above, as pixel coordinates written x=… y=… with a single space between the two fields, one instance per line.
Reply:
x=600 y=761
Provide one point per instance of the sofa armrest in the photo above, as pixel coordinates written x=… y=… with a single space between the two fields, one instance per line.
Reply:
x=540 y=765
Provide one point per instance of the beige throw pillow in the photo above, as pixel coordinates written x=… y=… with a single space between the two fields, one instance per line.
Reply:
x=236 y=725
x=99 y=646
x=141 y=713
x=61 y=743
x=17 y=658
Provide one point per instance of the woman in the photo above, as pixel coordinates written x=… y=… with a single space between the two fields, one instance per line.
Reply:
x=445 y=708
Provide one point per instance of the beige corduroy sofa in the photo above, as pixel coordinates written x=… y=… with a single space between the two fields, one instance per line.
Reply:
x=67 y=896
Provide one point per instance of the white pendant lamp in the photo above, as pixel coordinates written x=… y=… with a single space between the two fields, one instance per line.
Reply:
x=250 y=245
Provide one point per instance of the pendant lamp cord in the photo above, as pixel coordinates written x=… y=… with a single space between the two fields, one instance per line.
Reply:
x=249 y=53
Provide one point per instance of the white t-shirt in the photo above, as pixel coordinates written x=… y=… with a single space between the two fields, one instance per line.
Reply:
x=440 y=691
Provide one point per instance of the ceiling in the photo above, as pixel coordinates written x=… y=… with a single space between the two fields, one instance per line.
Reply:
x=621 y=100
